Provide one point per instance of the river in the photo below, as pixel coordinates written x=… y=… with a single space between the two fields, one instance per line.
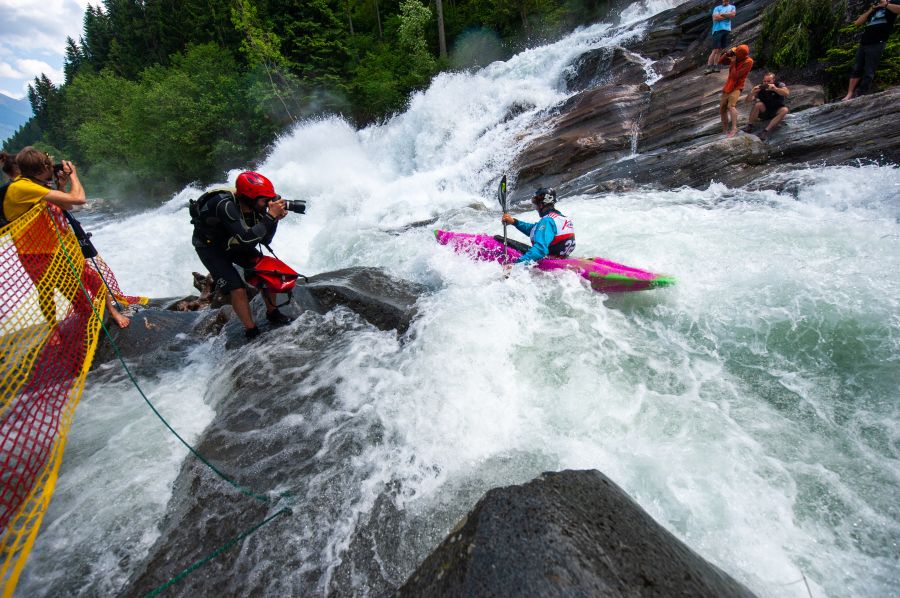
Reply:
x=752 y=409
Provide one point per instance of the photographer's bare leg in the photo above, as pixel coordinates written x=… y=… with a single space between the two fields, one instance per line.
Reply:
x=754 y=113
x=779 y=116
x=723 y=114
x=241 y=305
x=269 y=300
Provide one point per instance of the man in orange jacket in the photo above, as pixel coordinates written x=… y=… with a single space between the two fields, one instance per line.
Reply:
x=740 y=63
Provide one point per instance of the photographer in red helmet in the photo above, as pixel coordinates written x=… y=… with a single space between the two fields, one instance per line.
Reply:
x=228 y=226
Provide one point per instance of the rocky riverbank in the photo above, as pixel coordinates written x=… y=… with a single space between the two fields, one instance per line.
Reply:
x=617 y=132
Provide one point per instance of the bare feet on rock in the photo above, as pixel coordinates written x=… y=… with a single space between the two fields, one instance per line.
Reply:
x=120 y=320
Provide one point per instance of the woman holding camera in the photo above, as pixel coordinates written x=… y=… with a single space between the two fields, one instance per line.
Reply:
x=32 y=184
x=32 y=173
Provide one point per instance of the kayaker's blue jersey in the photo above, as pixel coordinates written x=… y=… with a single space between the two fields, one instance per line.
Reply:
x=546 y=237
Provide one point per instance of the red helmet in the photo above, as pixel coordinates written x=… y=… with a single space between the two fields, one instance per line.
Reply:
x=252 y=184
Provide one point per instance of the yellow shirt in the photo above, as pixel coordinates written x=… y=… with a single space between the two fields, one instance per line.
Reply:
x=22 y=195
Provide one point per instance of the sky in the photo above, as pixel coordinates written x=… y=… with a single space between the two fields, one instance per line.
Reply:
x=33 y=40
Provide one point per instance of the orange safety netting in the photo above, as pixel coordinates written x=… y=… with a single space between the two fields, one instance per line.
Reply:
x=49 y=329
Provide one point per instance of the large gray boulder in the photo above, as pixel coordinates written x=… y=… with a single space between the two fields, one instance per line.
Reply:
x=279 y=426
x=572 y=533
x=385 y=301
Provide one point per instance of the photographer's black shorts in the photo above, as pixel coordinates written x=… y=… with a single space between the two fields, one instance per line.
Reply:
x=220 y=265
x=770 y=112
x=720 y=39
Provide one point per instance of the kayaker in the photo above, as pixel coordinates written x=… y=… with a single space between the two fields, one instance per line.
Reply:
x=553 y=235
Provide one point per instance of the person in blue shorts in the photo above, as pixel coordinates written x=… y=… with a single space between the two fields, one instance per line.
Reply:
x=721 y=33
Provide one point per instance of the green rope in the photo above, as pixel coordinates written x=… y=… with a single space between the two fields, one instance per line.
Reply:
x=284 y=495
x=208 y=558
x=240 y=488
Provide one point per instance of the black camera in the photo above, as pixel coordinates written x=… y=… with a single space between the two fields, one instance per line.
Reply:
x=297 y=206
x=58 y=169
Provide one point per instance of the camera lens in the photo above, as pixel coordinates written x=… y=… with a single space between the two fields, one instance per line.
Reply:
x=298 y=206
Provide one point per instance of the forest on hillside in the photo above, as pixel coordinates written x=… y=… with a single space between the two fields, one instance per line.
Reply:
x=162 y=93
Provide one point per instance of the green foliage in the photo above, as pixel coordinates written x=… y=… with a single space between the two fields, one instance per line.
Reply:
x=171 y=126
x=160 y=93
x=414 y=17
x=796 y=32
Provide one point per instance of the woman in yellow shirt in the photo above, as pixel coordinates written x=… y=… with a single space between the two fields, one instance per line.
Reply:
x=30 y=188
x=32 y=172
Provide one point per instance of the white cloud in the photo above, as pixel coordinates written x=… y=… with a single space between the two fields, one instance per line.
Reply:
x=12 y=94
x=33 y=68
x=30 y=27
x=7 y=71
x=33 y=39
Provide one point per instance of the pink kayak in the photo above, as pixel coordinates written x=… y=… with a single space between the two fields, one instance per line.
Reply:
x=605 y=276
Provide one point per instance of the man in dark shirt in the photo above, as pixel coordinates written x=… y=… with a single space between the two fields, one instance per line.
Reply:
x=879 y=21
x=768 y=104
x=228 y=225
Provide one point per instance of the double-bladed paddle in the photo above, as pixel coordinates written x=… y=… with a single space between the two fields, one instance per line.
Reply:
x=501 y=195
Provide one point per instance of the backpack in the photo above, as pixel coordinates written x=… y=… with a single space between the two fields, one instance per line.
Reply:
x=203 y=209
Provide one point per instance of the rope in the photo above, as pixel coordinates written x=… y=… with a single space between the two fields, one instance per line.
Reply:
x=211 y=556
x=796 y=581
x=243 y=490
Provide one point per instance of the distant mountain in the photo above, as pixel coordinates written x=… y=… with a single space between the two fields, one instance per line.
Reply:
x=13 y=114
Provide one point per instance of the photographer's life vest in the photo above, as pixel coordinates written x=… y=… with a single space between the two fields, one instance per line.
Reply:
x=563 y=244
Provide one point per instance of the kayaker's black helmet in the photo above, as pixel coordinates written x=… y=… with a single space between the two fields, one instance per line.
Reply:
x=545 y=196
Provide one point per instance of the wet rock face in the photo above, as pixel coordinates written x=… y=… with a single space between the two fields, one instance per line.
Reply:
x=156 y=338
x=617 y=132
x=572 y=533
x=159 y=335
x=386 y=302
x=280 y=427
x=605 y=66
x=283 y=424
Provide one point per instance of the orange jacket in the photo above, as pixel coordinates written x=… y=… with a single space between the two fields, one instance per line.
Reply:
x=739 y=69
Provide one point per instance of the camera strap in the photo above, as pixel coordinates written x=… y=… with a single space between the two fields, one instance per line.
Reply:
x=84 y=238
x=303 y=276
